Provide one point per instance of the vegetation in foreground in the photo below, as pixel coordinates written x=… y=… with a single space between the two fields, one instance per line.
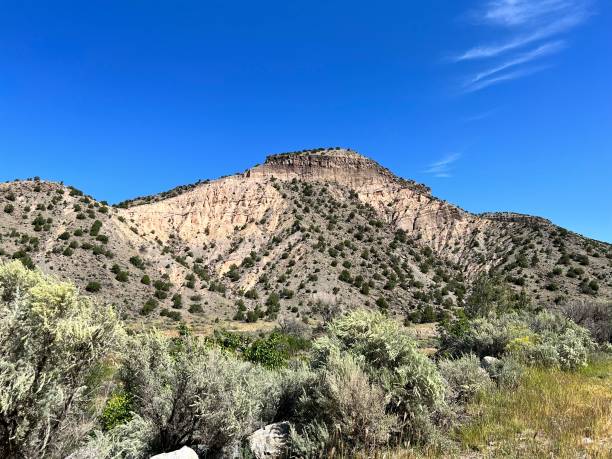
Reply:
x=507 y=380
x=551 y=413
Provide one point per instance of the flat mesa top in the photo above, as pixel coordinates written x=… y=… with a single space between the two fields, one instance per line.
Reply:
x=334 y=152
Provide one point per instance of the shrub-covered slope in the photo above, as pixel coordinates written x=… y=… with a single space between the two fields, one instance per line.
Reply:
x=298 y=235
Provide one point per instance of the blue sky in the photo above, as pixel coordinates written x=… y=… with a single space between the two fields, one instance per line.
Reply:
x=495 y=104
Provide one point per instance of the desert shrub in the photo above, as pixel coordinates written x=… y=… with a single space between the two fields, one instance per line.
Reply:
x=309 y=441
x=174 y=315
x=52 y=339
x=546 y=338
x=137 y=262
x=507 y=372
x=95 y=228
x=129 y=440
x=233 y=274
x=412 y=386
x=102 y=238
x=177 y=301
x=192 y=394
x=557 y=342
x=589 y=287
x=271 y=351
x=9 y=208
x=93 y=286
x=348 y=403
x=481 y=336
x=465 y=377
x=149 y=306
x=594 y=316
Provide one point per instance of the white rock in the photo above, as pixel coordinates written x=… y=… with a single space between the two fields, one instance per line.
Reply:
x=184 y=453
x=270 y=441
x=488 y=361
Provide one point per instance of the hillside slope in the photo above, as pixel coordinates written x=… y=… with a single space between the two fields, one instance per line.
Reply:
x=293 y=236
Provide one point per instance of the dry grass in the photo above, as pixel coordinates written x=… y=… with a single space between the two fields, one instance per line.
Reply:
x=551 y=414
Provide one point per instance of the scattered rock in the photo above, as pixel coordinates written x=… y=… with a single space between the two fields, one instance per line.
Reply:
x=270 y=441
x=184 y=453
x=490 y=362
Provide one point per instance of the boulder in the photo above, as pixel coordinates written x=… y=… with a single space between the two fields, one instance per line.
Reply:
x=269 y=441
x=490 y=362
x=184 y=453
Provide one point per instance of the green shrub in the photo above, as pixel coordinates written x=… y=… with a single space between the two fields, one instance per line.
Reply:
x=52 y=339
x=177 y=301
x=174 y=315
x=93 y=286
x=382 y=303
x=491 y=295
x=271 y=351
x=137 y=262
x=233 y=274
x=118 y=410
x=95 y=228
x=149 y=307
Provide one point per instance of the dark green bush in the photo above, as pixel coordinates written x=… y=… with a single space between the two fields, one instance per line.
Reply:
x=93 y=286
x=149 y=307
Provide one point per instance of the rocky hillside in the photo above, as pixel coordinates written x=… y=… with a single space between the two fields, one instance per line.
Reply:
x=301 y=234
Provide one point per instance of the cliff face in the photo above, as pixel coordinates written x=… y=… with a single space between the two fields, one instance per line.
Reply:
x=327 y=223
x=341 y=166
x=403 y=203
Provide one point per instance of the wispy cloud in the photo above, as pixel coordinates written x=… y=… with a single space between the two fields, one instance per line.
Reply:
x=513 y=13
x=542 y=32
x=443 y=167
x=480 y=116
x=526 y=22
x=480 y=80
x=506 y=77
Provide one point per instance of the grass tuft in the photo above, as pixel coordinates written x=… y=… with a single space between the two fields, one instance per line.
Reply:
x=551 y=414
